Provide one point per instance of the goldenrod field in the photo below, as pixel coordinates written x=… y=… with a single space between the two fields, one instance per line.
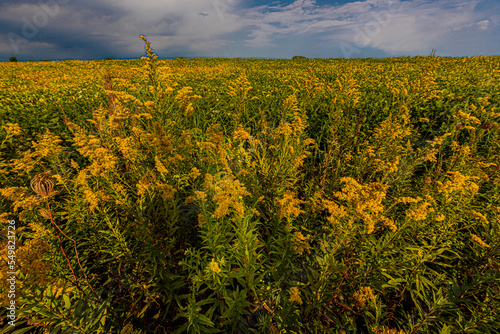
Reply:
x=252 y=196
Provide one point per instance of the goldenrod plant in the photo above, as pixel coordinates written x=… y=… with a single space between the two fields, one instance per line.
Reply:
x=266 y=196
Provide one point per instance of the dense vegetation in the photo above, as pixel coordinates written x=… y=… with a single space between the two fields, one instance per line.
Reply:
x=267 y=196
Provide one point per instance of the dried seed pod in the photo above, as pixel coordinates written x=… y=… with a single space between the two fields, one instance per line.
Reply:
x=45 y=213
x=43 y=185
x=459 y=126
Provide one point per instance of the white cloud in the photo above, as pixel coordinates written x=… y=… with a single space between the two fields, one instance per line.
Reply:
x=393 y=26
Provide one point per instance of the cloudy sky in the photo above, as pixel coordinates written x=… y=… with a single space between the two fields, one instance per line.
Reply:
x=92 y=29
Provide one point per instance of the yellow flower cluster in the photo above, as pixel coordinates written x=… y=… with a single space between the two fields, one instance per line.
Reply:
x=144 y=184
x=478 y=215
x=460 y=182
x=94 y=197
x=229 y=194
x=361 y=297
x=301 y=243
x=214 y=266
x=440 y=217
x=12 y=129
x=20 y=197
x=166 y=189
x=478 y=240
x=214 y=143
x=126 y=147
x=194 y=173
x=160 y=167
x=386 y=330
x=240 y=87
x=365 y=201
x=420 y=211
x=295 y=295
x=241 y=134
x=335 y=211
x=184 y=96
x=289 y=205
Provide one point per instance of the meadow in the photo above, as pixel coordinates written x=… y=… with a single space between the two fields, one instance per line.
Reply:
x=252 y=195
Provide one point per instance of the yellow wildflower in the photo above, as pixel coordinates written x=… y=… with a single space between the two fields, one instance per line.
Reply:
x=361 y=297
x=194 y=173
x=184 y=97
x=286 y=130
x=126 y=146
x=144 y=184
x=149 y=104
x=335 y=211
x=478 y=240
x=440 y=218
x=200 y=196
x=386 y=330
x=479 y=216
x=74 y=164
x=160 y=167
x=406 y=200
x=389 y=223
x=12 y=129
x=241 y=134
x=420 y=211
x=365 y=200
x=301 y=243
x=295 y=295
x=47 y=145
x=20 y=197
x=289 y=205
x=167 y=190
x=460 y=182
x=189 y=200
x=214 y=266
x=228 y=193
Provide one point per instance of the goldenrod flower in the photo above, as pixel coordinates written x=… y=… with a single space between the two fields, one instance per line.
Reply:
x=478 y=240
x=479 y=216
x=200 y=196
x=440 y=218
x=335 y=211
x=295 y=295
x=241 y=134
x=406 y=200
x=301 y=243
x=289 y=205
x=167 y=190
x=460 y=182
x=361 y=297
x=195 y=172
x=229 y=193
x=74 y=164
x=12 y=129
x=420 y=211
x=214 y=266
x=160 y=167
x=364 y=200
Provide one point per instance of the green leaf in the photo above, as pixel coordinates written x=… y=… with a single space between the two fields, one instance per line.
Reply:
x=23 y=330
x=67 y=302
